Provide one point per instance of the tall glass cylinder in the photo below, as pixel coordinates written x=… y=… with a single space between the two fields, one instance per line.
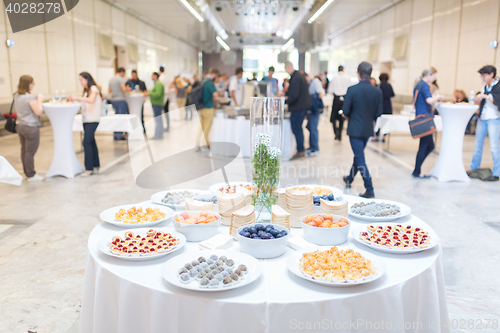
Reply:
x=266 y=119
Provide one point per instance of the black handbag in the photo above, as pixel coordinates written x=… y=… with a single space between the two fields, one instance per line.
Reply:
x=10 y=125
x=423 y=124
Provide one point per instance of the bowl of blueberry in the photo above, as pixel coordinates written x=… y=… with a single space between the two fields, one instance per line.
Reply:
x=317 y=199
x=263 y=241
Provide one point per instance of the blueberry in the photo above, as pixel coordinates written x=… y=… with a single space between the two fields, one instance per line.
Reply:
x=246 y=229
x=279 y=235
x=272 y=237
x=268 y=228
x=246 y=234
x=274 y=232
x=253 y=230
x=330 y=197
x=260 y=232
x=284 y=233
x=257 y=237
x=259 y=227
x=272 y=227
x=265 y=235
x=242 y=232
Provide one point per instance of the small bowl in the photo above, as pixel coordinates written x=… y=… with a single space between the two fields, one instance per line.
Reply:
x=196 y=232
x=263 y=248
x=326 y=236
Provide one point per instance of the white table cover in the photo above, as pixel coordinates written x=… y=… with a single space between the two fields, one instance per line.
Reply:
x=112 y=123
x=64 y=162
x=388 y=123
x=135 y=101
x=238 y=132
x=8 y=174
x=450 y=164
x=130 y=297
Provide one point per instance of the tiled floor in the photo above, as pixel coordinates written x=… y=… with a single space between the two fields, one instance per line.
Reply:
x=44 y=226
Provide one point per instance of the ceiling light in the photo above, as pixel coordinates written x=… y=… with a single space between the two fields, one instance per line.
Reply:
x=287 y=34
x=288 y=44
x=192 y=10
x=320 y=11
x=223 y=34
x=279 y=33
x=223 y=43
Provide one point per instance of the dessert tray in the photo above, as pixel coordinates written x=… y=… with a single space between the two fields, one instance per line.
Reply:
x=141 y=244
x=366 y=267
x=209 y=271
x=395 y=238
x=375 y=210
x=136 y=215
x=175 y=198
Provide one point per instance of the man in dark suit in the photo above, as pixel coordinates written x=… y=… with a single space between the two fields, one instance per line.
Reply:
x=362 y=106
x=299 y=101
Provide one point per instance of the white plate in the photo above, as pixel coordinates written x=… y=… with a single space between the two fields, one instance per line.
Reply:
x=103 y=244
x=337 y=193
x=293 y=260
x=109 y=215
x=215 y=187
x=405 y=210
x=156 y=198
x=170 y=269
x=360 y=228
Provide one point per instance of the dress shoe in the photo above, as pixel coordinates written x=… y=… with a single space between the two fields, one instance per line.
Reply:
x=36 y=178
x=347 y=182
x=298 y=155
x=491 y=179
x=367 y=195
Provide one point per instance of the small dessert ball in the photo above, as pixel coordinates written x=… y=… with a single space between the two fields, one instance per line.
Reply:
x=230 y=263
x=195 y=263
x=234 y=276
x=238 y=272
x=207 y=270
x=214 y=257
x=213 y=266
x=227 y=280
x=218 y=277
x=201 y=275
x=214 y=283
x=223 y=258
x=243 y=268
x=210 y=261
x=219 y=262
x=214 y=272
x=204 y=281
x=185 y=277
x=193 y=272
x=188 y=266
x=220 y=269
x=224 y=273
x=209 y=276
x=183 y=270
x=229 y=270
x=203 y=265
x=199 y=268
x=201 y=260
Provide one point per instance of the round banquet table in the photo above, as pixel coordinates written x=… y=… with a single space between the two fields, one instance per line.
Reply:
x=135 y=101
x=64 y=162
x=130 y=297
x=450 y=164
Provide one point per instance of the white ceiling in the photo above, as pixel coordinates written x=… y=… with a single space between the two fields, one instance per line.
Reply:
x=174 y=17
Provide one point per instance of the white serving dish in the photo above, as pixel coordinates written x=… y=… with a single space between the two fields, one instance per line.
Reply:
x=434 y=240
x=405 y=210
x=103 y=245
x=263 y=248
x=337 y=193
x=109 y=215
x=326 y=236
x=157 y=197
x=293 y=262
x=170 y=269
x=197 y=232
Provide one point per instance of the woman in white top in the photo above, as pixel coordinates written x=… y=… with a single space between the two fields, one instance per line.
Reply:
x=91 y=114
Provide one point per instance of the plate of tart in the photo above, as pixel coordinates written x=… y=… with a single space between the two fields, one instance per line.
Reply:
x=136 y=215
x=336 y=266
x=211 y=271
x=376 y=210
x=141 y=244
x=396 y=238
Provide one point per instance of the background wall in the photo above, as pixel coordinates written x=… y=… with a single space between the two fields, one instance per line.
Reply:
x=214 y=60
x=451 y=35
x=57 y=51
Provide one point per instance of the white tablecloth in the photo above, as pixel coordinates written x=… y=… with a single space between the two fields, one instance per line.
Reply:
x=8 y=174
x=450 y=164
x=112 y=123
x=238 y=132
x=135 y=101
x=64 y=162
x=130 y=297
x=388 y=123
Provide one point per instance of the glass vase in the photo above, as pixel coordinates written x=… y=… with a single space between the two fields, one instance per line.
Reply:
x=266 y=120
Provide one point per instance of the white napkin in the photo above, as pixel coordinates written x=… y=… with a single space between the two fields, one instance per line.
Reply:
x=8 y=174
x=299 y=243
x=218 y=242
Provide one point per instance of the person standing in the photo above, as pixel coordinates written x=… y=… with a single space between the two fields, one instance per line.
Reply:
x=274 y=82
x=91 y=114
x=424 y=102
x=387 y=94
x=180 y=91
x=236 y=88
x=157 y=97
x=117 y=90
x=362 y=106
x=488 y=122
x=316 y=92
x=28 y=109
x=166 y=83
x=209 y=95
x=135 y=84
x=338 y=87
x=326 y=82
x=299 y=101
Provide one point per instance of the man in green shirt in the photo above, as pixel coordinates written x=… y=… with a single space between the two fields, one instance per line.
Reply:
x=156 y=96
x=209 y=94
